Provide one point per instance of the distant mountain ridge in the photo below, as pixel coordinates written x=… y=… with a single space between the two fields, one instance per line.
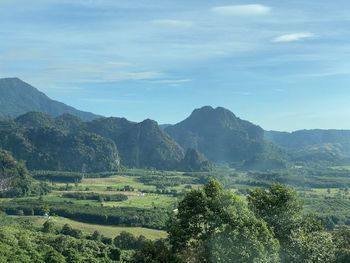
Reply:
x=66 y=143
x=305 y=138
x=213 y=133
x=332 y=146
x=222 y=137
x=18 y=97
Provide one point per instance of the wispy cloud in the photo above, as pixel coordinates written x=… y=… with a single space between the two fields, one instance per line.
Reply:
x=172 y=23
x=292 y=37
x=122 y=76
x=241 y=10
x=102 y=72
x=109 y=101
x=172 y=81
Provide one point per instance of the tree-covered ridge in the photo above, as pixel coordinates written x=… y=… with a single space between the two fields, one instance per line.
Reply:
x=221 y=136
x=144 y=144
x=305 y=138
x=48 y=145
x=15 y=180
x=66 y=143
x=195 y=161
x=18 y=97
x=316 y=146
x=141 y=144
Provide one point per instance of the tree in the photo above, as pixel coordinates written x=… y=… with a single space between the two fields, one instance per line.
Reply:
x=49 y=226
x=15 y=180
x=54 y=257
x=302 y=239
x=69 y=231
x=278 y=207
x=213 y=225
x=155 y=252
x=342 y=241
x=114 y=254
x=96 y=236
x=126 y=240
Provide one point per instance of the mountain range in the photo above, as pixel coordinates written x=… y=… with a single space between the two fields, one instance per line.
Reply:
x=332 y=146
x=51 y=135
x=66 y=143
x=17 y=97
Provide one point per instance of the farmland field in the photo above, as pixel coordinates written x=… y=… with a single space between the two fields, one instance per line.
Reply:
x=159 y=192
x=108 y=231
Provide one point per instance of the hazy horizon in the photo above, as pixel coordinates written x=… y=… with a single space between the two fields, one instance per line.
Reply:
x=281 y=65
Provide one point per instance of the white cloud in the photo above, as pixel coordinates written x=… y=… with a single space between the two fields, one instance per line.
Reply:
x=241 y=10
x=292 y=37
x=173 y=23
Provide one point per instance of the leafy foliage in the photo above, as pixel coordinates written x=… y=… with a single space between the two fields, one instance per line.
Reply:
x=15 y=180
x=302 y=239
x=20 y=243
x=212 y=225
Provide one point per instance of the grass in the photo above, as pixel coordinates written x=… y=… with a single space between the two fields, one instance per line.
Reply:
x=146 y=201
x=115 y=182
x=108 y=231
x=110 y=185
x=135 y=199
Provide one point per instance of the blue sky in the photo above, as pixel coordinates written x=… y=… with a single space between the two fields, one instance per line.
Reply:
x=284 y=65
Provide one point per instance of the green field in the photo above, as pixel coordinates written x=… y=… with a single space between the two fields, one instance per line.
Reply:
x=149 y=189
x=108 y=231
x=312 y=189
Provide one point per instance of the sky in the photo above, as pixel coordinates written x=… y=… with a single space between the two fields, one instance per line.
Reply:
x=284 y=65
